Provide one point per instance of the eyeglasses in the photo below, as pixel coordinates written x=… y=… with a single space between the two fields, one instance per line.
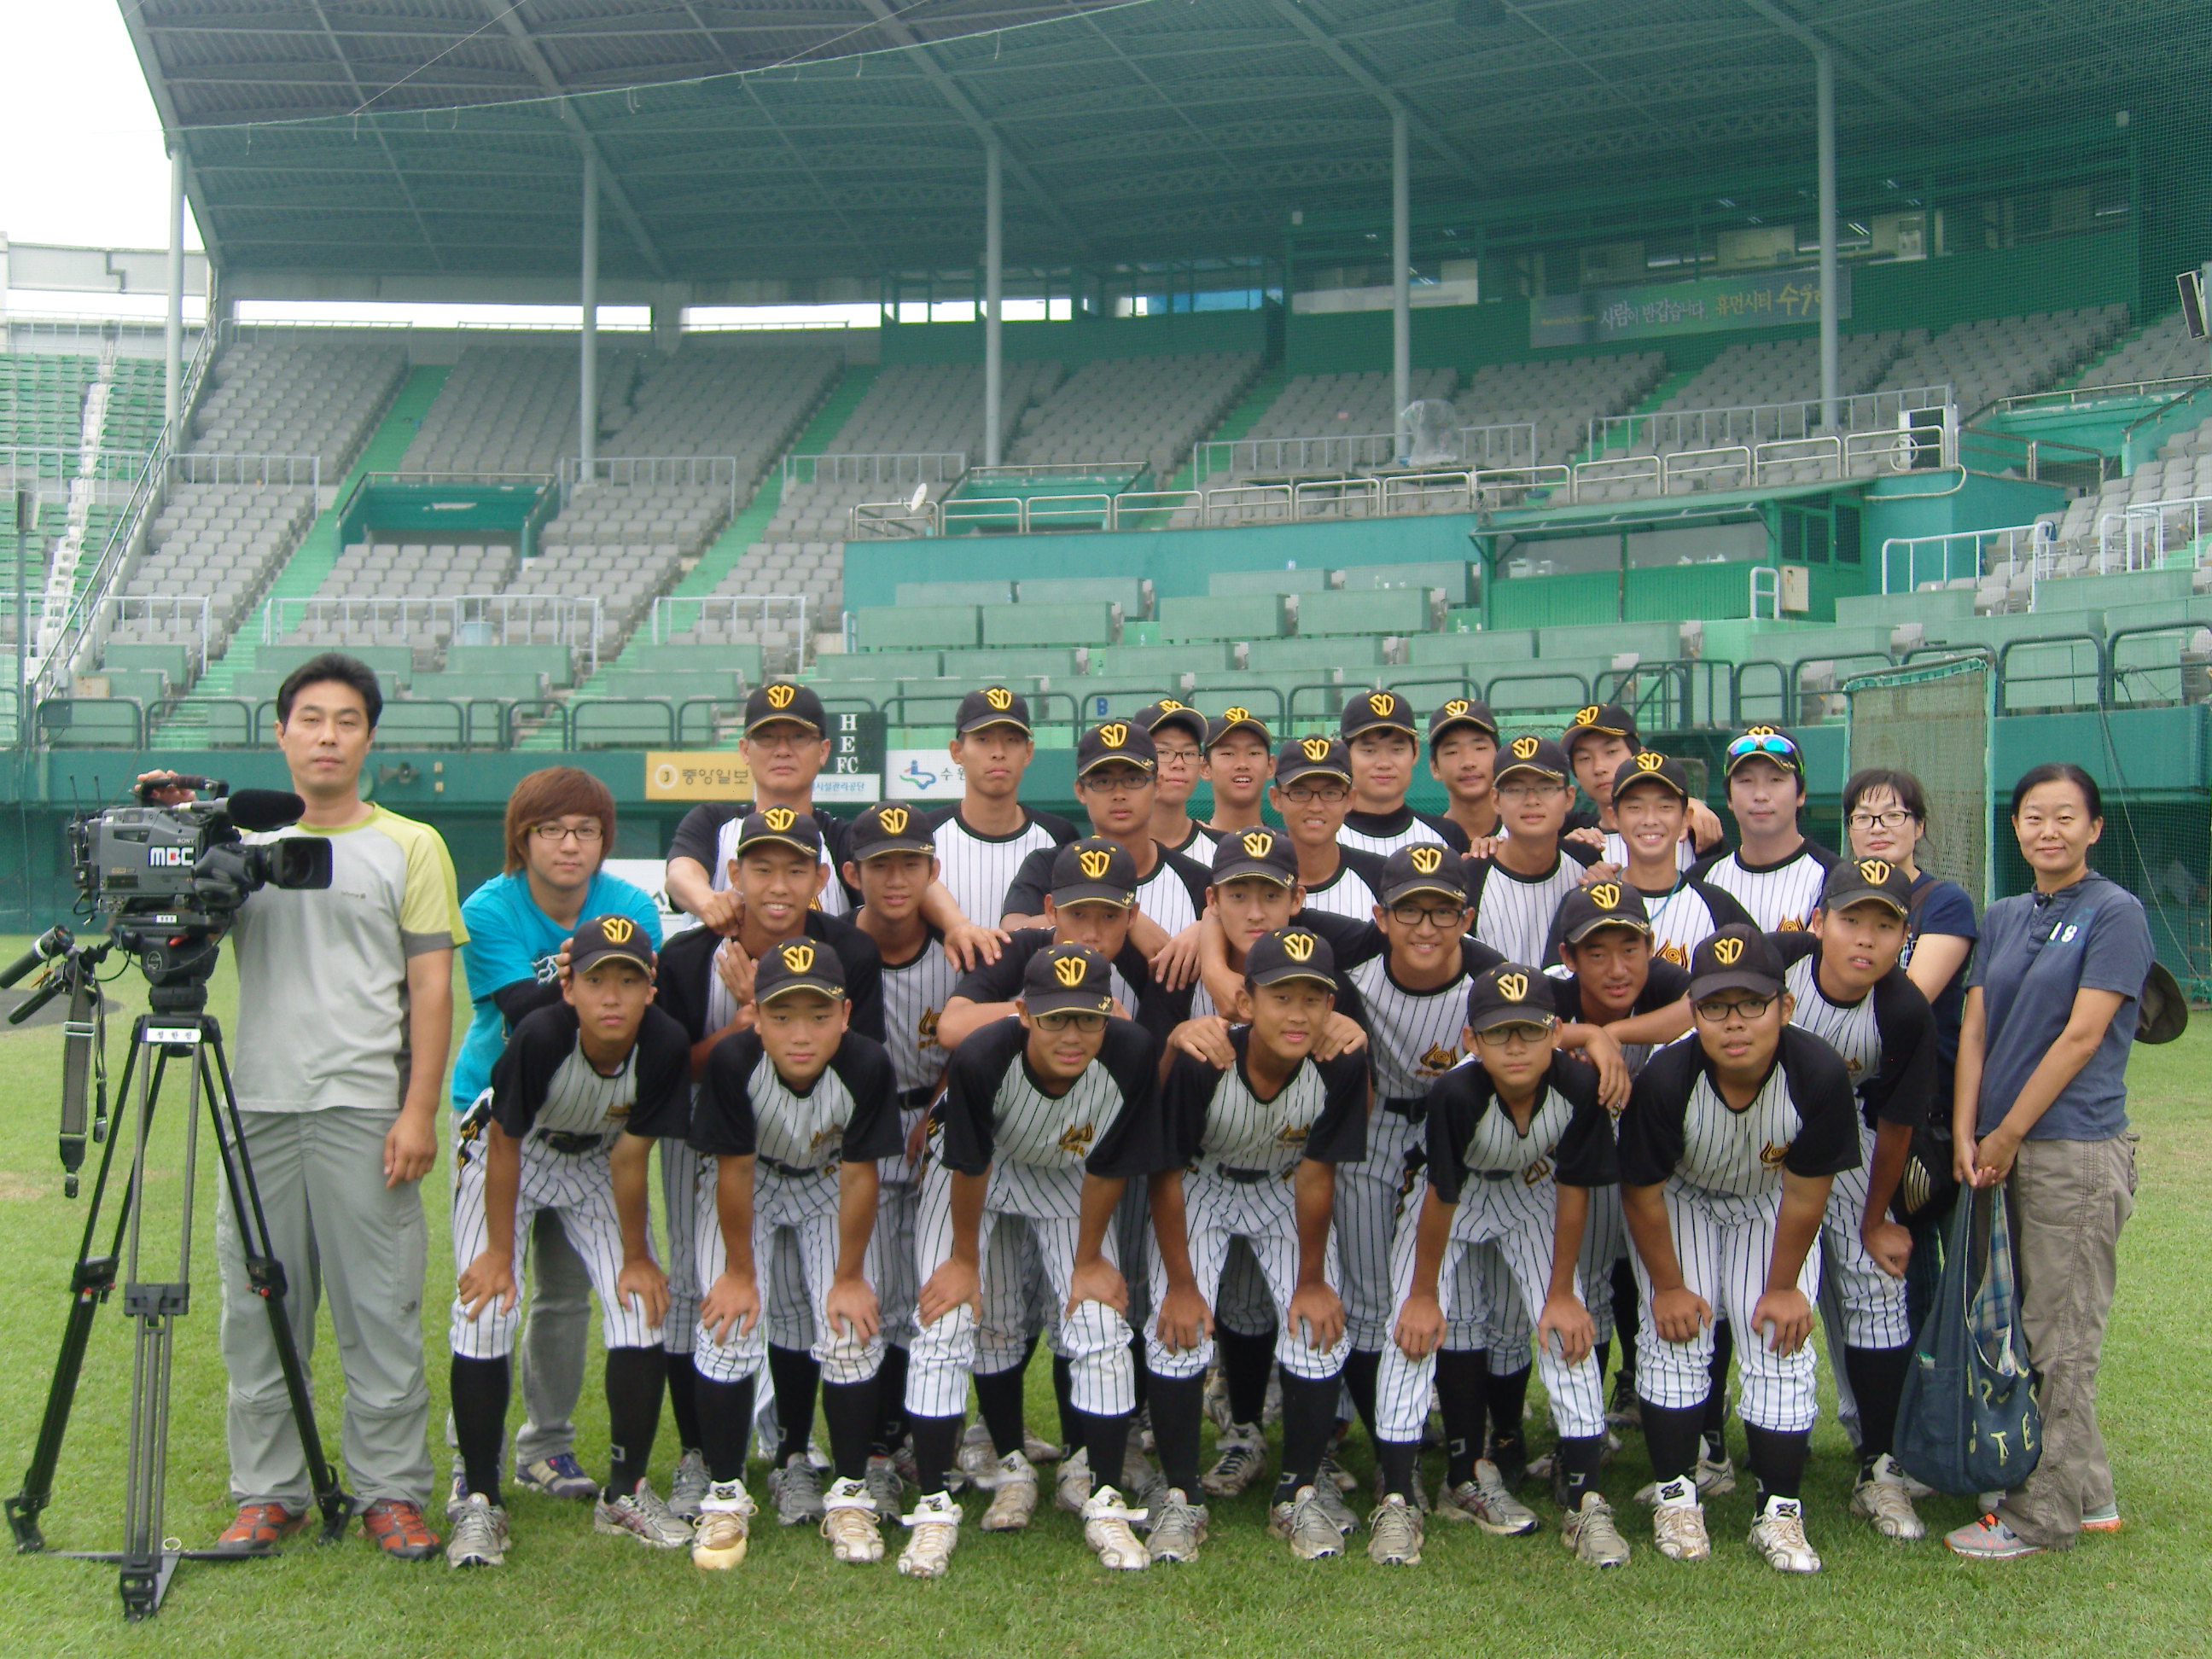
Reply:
x=1071 y=1019
x=1893 y=820
x=1505 y=1037
x=1303 y=795
x=1527 y=791
x=1412 y=915
x=1718 y=1010
x=1175 y=752
x=587 y=834
x=1772 y=743
x=1116 y=783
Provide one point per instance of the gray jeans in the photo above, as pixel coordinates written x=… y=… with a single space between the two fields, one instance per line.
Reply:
x=2068 y=1200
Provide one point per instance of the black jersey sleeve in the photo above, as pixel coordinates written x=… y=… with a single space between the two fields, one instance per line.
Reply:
x=1664 y=984
x=722 y=1109
x=864 y=1068
x=1186 y=1094
x=525 y=1068
x=1131 y=1144
x=1903 y=1088
x=863 y=971
x=1828 y=1139
x=1443 y=829
x=1363 y=864
x=1456 y=1102
x=663 y=1108
x=1587 y=1154
x=1159 y=1010
x=1002 y=980
x=1581 y=851
x=698 y=836
x=1476 y=956
x=1651 y=1134
x=1579 y=818
x=1794 y=946
x=1339 y=1135
x=1727 y=910
x=684 y=979
x=1566 y=997
x=1032 y=880
x=965 y=1113
x=1053 y=825
x=524 y=998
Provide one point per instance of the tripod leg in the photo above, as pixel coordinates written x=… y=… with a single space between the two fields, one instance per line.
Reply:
x=155 y=1306
x=90 y=1281
x=265 y=1275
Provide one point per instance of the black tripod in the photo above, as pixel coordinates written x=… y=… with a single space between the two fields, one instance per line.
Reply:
x=179 y=1028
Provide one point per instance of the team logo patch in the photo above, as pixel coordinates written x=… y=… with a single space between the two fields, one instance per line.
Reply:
x=1169 y=705
x=1647 y=761
x=1290 y=1134
x=1094 y=862
x=1315 y=749
x=1424 y=859
x=1382 y=703
x=779 y=818
x=617 y=930
x=1514 y=987
x=1523 y=748
x=927 y=1030
x=1258 y=843
x=1114 y=734
x=1298 y=947
x=1854 y=1066
x=1676 y=954
x=799 y=958
x=778 y=695
x=1788 y=925
x=1586 y=716
x=999 y=698
x=1772 y=1155
x=1070 y=971
x=1536 y=1172
x=894 y=820
x=1077 y=1141
x=1439 y=1058
x=1456 y=708
x=1606 y=895
x=1874 y=871
x=1235 y=712
x=1727 y=951
x=1760 y=731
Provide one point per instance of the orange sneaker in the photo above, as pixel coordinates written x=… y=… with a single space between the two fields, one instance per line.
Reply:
x=398 y=1529
x=258 y=1529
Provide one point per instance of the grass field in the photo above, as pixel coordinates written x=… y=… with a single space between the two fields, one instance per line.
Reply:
x=2144 y=1591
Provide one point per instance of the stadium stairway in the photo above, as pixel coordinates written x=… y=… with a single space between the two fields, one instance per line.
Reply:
x=1670 y=384
x=318 y=550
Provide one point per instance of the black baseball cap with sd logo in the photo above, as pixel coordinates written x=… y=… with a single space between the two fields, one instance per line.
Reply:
x=609 y=938
x=1510 y=993
x=795 y=965
x=994 y=705
x=1264 y=853
x=1093 y=870
x=1288 y=954
x=1738 y=958
x=1062 y=976
x=1375 y=711
x=780 y=700
x=1312 y=757
x=1424 y=867
x=886 y=827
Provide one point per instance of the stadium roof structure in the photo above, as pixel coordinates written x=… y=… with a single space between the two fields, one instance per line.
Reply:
x=443 y=141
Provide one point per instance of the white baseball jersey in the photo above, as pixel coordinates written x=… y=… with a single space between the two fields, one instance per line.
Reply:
x=1384 y=833
x=543 y=1084
x=1153 y=1006
x=976 y=869
x=709 y=835
x=1413 y=1035
x=1779 y=898
x=1214 y=1120
x=1686 y=916
x=1616 y=851
x=1198 y=844
x=1803 y=1120
x=1352 y=891
x=915 y=995
x=1172 y=892
x=847 y=1113
x=1513 y=912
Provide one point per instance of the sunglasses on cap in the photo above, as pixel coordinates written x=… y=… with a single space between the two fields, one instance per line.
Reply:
x=1768 y=742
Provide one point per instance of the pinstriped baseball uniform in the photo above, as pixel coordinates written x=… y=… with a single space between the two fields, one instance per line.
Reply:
x=915 y=995
x=1887 y=1042
x=1171 y=893
x=1383 y=833
x=1779 y=897
x=1240 y=1155
x=1198 y=844
x=744 y=1108
x=1513 y=912
x=548 y=1096
x=709 y=835
x=1036 y=1148
x=1152 y=1006
x=1721 y=1174
x=1616 y=851
x=1353 y=891
x=977 y=869
x=1686 y=916
x=1503 y=1184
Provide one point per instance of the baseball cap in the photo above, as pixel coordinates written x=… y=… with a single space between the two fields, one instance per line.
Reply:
x=780 y=826
x=1462 y=711
x=780 y=700
x=1169 y=712
x=1236 y=718
x=1265 y=853
x=1093 y=868
x=994 y=705
x=1424 y=867
x=1601 y=904
x=888 y=826
x=797 y=964
x=1650 y=766
x=1854 y=881
x=1510 y=994
x=609 y=938
x=1605 y=720
x=1291 y=953
x=1738 y=958
x=1530 y=753
x=1126 y=741
x=1375 y=711
x=1307 y=757
x=1066 y=976
x=1769 y=743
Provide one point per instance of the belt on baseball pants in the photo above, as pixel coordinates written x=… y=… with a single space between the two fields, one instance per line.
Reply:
x=793 y=1171
x=913 y=1100
x=568 y=1145
x=1492 y=1175
x=1241 y=1177
x=1409 y=1107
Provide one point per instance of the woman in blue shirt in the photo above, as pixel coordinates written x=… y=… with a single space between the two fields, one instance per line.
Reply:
x=2041 y=1104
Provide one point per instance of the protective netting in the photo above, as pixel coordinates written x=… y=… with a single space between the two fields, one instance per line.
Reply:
x=1933 y=722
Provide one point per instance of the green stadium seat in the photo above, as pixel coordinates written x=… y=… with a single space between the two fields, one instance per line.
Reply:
x=1370 y=610
x=639 y=723
x=983 y=666
x=1654 y=642
x=408 y=724
x=1224 y=616
x=1500 y=646
x=146 y=685
x=555 y=662
x=1453 y=578
x=1349 y=653
x=1313 y=580
x=1133 y=593
x=678 y=685
x=1136 y=662
x=1083 y=622
x=174 y=661
x=875 y=665
x=398 y=661
x=2064 y=674
x=940 y=594
x=92 y=723
x=916 y=627
x=743 y=660
x=515 y=685
x=2126 y=587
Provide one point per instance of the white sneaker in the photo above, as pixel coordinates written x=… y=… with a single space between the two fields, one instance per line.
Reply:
x=975 y=1459
x=1109 y=1528
x=1394 y=1534
x=848 y=1522
x=1678 y=1521
x=1178 y=1528
x=796 y=1491
x=1072 y=1484
x=1592 y=1535
x=1313 y=1534
x=1013 y=1488
x=724 y=1526
x=1240 y=1458
x=1779 y=1534
x=479 y=1534
x=1214 y=1400
x=934 y=1528
x=1335 y=1474
x=1484 y=1501
x=1883 y=1499
x=686 y=1487
x=642 y=1515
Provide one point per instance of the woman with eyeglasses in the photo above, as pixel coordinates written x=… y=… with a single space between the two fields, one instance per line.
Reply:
x=2040 y=1105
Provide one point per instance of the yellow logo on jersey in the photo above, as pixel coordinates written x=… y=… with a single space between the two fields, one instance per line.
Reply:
x=1298 y=947
x=926 y=1030
x=1077 y=1141
x=1586 y=716
x=1772 y=1155
x=779 y=818
x=1514 y=987
x=1854 y=1066
x=1788 y=925
x=999 y=698
x=778 y=695
x=617 y=930
x=1524 y=747
x=1441 y=1057
x=1070 y=970
x=824 y=1147
x=1258 y=843
x=1456 y=708
x=1094 y=862
x=1605 y=894
x=1727 y=951
x=893 y=819
x=1876 y=871
x=798 y=957
x=1235 y=713
x=1114 y=733
x=1647 y=761
x=1290 y=1134
x=1316 y=749
x=1535 y=1172
x=1382 y=703
x=1676 y=954
x=1427 y=859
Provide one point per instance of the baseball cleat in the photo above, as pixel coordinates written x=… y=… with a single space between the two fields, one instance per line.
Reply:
x=1108 y=1528
x=1013 y=1488
x=1176 y=1526
x=1590 y=1532
x=934 y=1528
x=796 y=1491
x=560 y=1476
x=1486 y=1501
x=817 y=1460
x=902 y=1460
x=1678 y=1521
x=642 y=1515
x=724 y=1526
x=2105 y=1517
x=687 y=1486
x=1271 y=1403
x=1779 y=1534
x=1882 y=1500
x=479 y=1537
x=1990 y=1540
x=1714 y=1479
x=1394 y=1534
x=975 y=1457
x=1313 y=1535
x=1072 y=1484
x=885 y=1488
x=1240 y=1458
x=1039 y=1450
x=848 y=1522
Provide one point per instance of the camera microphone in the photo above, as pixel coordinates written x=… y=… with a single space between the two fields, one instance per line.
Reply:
x=264 y=809
x=54 y=942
